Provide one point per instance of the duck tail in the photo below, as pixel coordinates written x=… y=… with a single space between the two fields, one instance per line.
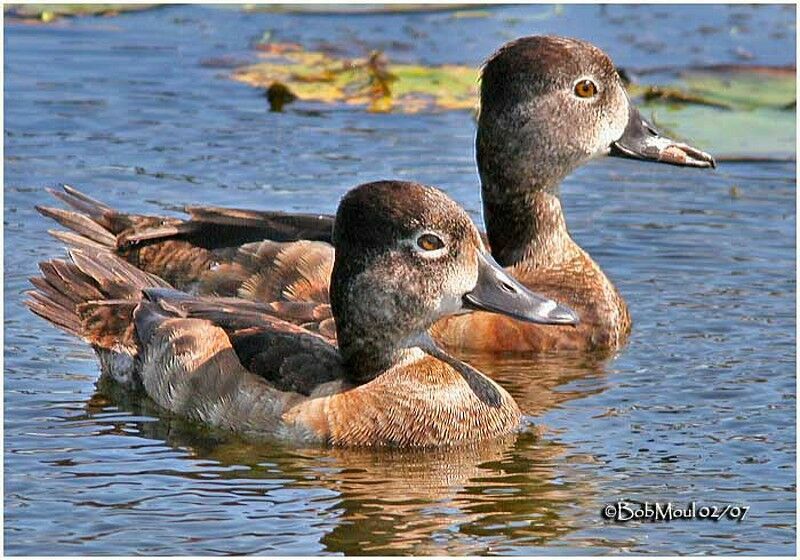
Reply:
x=92 y=220
x=94 y=223
x=92 y=296
x=58 y=292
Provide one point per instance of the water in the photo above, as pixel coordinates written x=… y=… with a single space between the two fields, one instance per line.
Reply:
x=700 y=405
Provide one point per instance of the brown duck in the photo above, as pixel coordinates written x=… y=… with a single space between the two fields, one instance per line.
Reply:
x=407 y=255
x=548 y=104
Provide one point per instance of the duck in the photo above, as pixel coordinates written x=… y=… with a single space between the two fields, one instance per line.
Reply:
x=548 y=105
x=406 y=256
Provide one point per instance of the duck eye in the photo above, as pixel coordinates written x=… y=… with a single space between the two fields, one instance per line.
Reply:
x=585 y=88
x=429 y=242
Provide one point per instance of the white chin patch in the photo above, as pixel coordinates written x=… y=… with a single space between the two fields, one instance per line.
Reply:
x=450 y=305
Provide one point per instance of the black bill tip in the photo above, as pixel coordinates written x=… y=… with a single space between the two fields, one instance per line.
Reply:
x=499 y=292
x=642 y=141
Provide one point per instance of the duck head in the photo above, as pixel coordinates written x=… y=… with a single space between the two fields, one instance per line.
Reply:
x=548 y=104
x=407 y=255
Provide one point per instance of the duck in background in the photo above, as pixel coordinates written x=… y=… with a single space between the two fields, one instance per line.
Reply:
x=548 y=105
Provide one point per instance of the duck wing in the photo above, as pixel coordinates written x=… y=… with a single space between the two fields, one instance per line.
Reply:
x=105 y=300
x=290 y=357
x=259 y=224
x=262 y=256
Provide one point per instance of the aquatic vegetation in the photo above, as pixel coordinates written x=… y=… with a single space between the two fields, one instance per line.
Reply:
x=46 y=13
x=737 y=112
x=744 y=87
x=734 y=111
x=370 y=82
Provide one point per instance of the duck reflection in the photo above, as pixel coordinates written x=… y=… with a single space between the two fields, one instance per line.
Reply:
x=540 y=382
x=522 y=490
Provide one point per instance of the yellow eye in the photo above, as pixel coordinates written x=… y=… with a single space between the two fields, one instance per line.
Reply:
x=429 y=242
x=585 y=88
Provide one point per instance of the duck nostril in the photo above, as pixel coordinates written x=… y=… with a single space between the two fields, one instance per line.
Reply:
x=506 y=287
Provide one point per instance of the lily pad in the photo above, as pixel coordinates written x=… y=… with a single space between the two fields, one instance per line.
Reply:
x=744 y=88
x=370 y=82
x=732 y=112
x=759 y=134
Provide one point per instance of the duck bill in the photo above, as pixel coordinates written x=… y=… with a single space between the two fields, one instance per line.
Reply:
x=499 y=292
x=642 y=141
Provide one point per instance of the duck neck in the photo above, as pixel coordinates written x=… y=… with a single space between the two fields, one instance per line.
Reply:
x=526 y=224
x=375 y=327
x=367 y=355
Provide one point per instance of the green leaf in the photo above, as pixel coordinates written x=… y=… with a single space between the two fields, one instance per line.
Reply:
x=370 y=82
x=743 y=88
x=760 y=133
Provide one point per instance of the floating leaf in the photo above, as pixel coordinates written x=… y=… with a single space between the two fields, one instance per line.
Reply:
x=744 y=88
x=761 y=133
x=471 y=14
x=371 y=82
x=733 y=112
x=675 y=95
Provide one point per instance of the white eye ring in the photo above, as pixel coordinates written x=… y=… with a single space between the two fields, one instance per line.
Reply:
x=593 y=82
x=432 y=238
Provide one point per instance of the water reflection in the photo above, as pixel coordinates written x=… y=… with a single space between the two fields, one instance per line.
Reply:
x=522 y=489
x=542 y=382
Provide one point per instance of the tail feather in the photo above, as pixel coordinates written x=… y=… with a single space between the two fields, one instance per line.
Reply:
x=106 y=226
x=92 y=297
x=105 y=324
x=81 y=224
x=76 y=240
x=42 y=285
x=60 y=291
x=95 y=295
x=111 y=220
x=85 y=204
x=51 y=310
x=67 y=279
x=116 y=278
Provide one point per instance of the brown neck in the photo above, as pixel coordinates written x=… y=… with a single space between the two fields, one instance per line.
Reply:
x=527 y=225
